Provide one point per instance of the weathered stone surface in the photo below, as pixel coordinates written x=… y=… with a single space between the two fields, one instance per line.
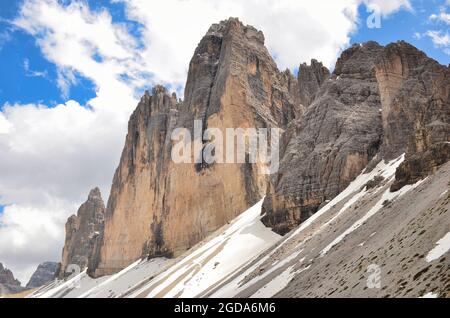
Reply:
x=310 y=78
x=414 y=107
x=44 y=273
x=328 y=147
x=385 y=101
x=415 y=98
x=82 y=234
x=8 y=284
x=157 y=207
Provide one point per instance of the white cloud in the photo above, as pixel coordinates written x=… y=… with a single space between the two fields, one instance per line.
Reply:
x=387 y=7
x=295 y=31
x=417 y=35
x=439 y=38
x=442 y=17
x=51 y=157
x=22 y=224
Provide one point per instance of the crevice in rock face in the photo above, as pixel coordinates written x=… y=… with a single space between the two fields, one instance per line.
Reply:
x=209 y=110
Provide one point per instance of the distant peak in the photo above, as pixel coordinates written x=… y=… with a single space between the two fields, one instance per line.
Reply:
x=95 y=194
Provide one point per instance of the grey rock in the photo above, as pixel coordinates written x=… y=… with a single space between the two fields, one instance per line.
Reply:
x=44 y=273
x=82 y=234
x=310 y=78
x=8 y=284
x=338 y=135
x=380 y=102
x=415 y=99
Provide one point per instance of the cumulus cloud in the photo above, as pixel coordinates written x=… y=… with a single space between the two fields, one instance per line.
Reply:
x=28 y=234
x=387 y=7
x=295 y=31
x=51 y=157
x=439 y=38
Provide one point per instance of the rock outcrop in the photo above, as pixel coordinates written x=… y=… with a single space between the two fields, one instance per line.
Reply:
x=44 y=273
x=379 y=103
x=415 y=98
x=8 y=284
x=82 y=235
x=310 y=78
x=338 y=135
x=157 y=207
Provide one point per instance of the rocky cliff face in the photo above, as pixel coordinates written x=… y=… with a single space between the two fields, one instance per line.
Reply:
x=82 y=234
x=157 y=207
x=331 y=143
x=310 y=78
x=379 y=103
x=8 y=284
x=44 y=273
x=415 y=98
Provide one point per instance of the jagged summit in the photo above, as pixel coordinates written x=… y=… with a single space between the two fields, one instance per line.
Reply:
x=82 y=234
x=44 y=273
x=310 y=78
x=8 y=283
x=221 y=28
x=95 y=194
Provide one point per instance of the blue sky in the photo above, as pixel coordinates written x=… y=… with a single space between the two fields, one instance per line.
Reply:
x=72 y=73
x=37 y=82
x=407 y=25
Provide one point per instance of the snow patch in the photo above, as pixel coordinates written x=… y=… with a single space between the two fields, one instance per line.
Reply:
x=278 y=283
x=442 y=247
x=430 y=295
x=387 y=196
x=243 y=240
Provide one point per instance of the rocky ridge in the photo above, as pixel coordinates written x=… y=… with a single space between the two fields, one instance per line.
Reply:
x=8 y=284
x=44 y=273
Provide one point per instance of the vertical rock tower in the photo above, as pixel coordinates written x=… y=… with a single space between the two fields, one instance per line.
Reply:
x=82 y=233
x=157 y=207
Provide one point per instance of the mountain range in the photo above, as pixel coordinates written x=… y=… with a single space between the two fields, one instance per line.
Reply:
x=358 y=207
